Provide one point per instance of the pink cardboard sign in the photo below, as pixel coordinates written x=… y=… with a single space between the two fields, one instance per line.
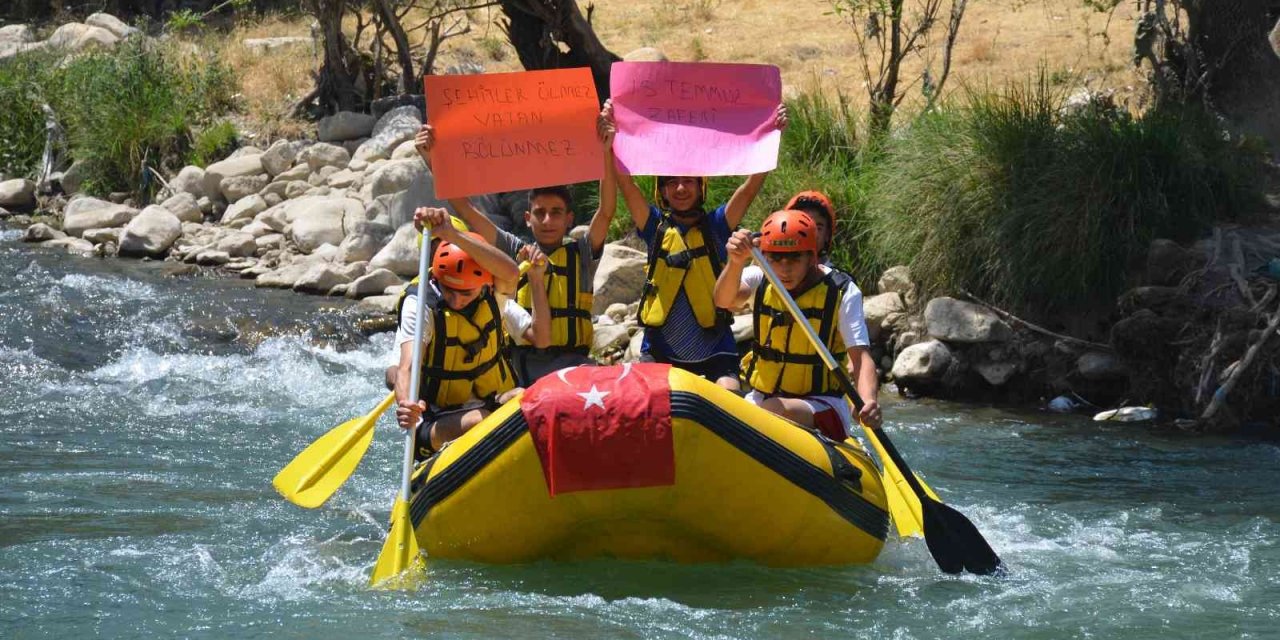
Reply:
x=695 y=118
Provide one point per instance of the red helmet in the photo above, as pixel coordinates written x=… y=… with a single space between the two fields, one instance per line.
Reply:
x=789 y=231
x=453 y=268
x=819 y=200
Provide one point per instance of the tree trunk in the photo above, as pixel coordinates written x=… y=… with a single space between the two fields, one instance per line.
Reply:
x=392 y=24
x=538 y=28
x=336 y=81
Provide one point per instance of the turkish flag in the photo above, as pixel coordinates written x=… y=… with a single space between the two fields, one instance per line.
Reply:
x=602 y=427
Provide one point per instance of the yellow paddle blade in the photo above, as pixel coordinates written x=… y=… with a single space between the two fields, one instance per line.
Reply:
x=904 y=506
x=400 y=564
x=316 y=474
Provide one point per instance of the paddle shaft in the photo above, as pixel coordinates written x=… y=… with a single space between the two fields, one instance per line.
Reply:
x=415 y=375
x=834 y=366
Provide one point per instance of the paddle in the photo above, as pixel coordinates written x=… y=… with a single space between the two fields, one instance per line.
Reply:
x=400 y=551
x=320 y=469
x=954 y=542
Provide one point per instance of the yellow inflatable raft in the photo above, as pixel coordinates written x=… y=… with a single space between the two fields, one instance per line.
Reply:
x=646 y=462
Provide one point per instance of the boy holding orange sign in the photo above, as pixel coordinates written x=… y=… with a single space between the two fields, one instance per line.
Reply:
x=570 y=268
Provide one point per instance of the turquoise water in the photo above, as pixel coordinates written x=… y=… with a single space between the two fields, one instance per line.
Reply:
x=143 y=416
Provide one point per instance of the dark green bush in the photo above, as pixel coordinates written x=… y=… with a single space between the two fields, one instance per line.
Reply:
x=22 y=132
x=213 y=143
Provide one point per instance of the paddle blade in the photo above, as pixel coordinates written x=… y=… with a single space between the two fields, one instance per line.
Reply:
x=955 y=543
x=400 y=563
x=318 y=471
x=904 y=506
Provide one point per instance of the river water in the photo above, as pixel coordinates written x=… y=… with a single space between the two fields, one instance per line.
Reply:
x=143 y=415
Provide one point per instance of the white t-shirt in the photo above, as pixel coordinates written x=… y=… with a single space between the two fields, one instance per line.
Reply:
x=515 y=319
x=851 y=322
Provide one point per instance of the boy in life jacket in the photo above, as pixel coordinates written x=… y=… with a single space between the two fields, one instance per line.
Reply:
x=465 y=372
x=783 y=369
x=568 y=285
x=823 y=212
x=686 y=244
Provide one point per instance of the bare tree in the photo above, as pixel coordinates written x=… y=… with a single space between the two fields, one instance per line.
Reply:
x=553 y=34
x=888 y=32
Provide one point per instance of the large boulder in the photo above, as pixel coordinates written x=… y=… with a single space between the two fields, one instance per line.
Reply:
x=1097 y=366
x=280 y=156
x=73 y=178
x=922 y=364
x=394 y=127
x=184 y=206
x=324 y=155
x=363 y=243
x=215 y=173
x=345 y=125
x=75 y=36
x=284 y=277
x=233 y=189
x=317 y=220
x=396 y=176
x=373 y=283
x=898 y=280
x=16 y=34
x=1168 y=262
x=244 y=208
x=237 y=244
x=958 y=321
x=400 y=255
x=150 y=233
x=17 y=194
x=882 y=311
x=620 y=277
x=320 y=278
x=41 y=232
x=111 y=23
x=86 y=213
x=189 y=180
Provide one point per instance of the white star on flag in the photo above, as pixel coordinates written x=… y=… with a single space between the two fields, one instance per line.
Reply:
x=593 y=397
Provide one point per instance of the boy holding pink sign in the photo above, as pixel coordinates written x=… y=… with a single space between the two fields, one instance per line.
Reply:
x=686 y=245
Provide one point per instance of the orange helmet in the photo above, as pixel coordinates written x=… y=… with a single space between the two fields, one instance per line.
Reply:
x=453 y=268
x=819 y=200
x=789 y=231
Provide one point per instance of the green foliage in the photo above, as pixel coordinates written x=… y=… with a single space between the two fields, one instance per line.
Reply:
x=494 y=48
x=183 y=20
x=213 y=143
x=1040 y=209
x=22 y=133
x=120 y=109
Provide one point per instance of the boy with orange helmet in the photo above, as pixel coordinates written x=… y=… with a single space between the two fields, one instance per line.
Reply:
x=820 y=208
x=686 y=252
x=465 y=371
x=784 y=371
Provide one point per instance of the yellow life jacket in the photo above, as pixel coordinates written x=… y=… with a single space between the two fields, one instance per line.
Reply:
x=782 y=361
x=681 y=261
x=569 y=303
x=467 y=357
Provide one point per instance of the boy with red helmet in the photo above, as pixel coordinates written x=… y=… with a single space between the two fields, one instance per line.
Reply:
x=686 y=253
x=784 y=371
x=465 y=371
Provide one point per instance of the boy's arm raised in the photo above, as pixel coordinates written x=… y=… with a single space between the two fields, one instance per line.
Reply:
x=504 y=269
x=598 y=232
x=637 y=204
x=746 y=194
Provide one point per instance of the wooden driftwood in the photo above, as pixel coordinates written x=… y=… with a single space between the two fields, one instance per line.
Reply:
x=1220 y=396
x=1015 y=320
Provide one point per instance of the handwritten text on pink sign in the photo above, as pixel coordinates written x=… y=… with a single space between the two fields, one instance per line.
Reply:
x=697 y=119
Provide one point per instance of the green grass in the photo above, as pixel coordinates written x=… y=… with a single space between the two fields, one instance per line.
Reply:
x=122 y=110
x=1007 y=196
x=22 y=133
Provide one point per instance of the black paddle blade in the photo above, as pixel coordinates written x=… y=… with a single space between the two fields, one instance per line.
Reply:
x=955 y=543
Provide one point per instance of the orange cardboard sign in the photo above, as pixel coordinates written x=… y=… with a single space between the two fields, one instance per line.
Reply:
x=508 y=131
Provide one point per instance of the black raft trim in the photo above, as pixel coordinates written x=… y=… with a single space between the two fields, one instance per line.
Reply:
x=848 y=504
